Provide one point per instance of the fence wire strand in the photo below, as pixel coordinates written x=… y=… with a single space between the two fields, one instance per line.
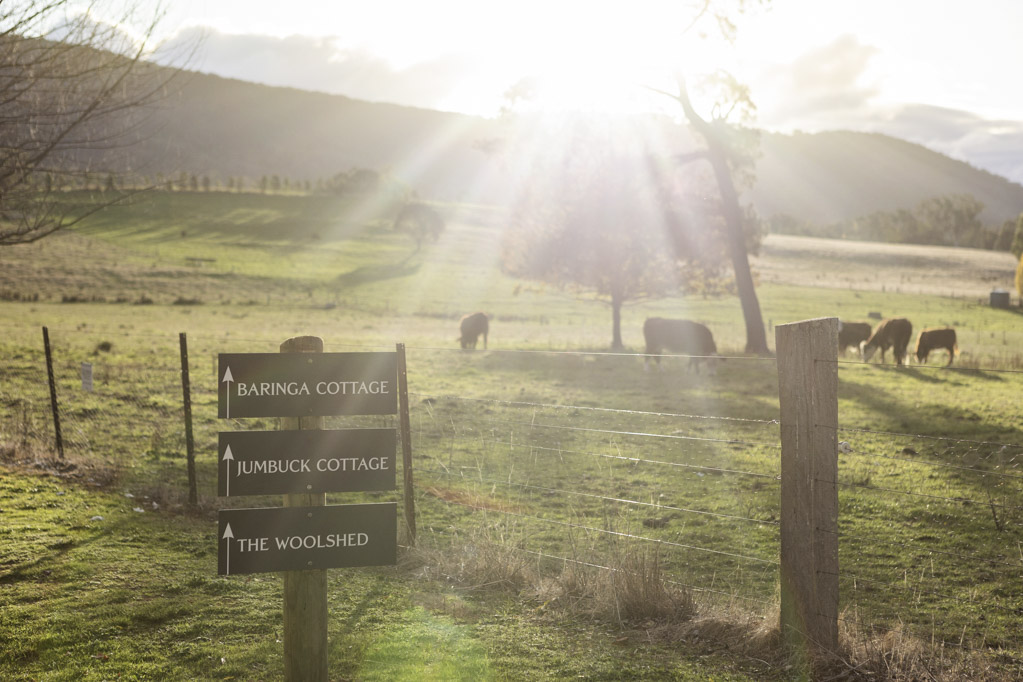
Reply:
x=517 y=403
x=895 y=587
x=604 y=498
x=640 y=434
x=589 y=564
x=958 y=500
x=937 y=465
x=615 y=533
x=624 y=458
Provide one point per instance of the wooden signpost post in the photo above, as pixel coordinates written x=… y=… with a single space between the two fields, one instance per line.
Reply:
x=305 y=536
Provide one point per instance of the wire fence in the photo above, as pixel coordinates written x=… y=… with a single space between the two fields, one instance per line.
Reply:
x=929 y=529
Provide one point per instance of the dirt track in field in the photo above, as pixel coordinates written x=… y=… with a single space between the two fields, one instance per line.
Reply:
x=874 y=266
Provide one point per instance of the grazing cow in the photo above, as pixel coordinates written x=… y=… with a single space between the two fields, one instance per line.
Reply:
x=892 y=333
x=471 y=327
x=678 y=336
x=852 y=334
x=935 y=339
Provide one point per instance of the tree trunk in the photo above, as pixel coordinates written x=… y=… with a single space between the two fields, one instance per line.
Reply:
x=756 y=336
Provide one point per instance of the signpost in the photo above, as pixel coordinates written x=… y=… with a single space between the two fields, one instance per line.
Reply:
x=302 y=385
x=281 y=462
x=304 y=538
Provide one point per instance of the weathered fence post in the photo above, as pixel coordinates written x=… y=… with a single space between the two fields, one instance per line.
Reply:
x=53 y=393
x=406 y=445
x=305 y=592
x=193 y=493
x=808 y=393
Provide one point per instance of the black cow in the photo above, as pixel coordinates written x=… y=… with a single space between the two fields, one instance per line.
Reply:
x=678 y=336
x=471 y=327
x=892 y=333
x=934 y=339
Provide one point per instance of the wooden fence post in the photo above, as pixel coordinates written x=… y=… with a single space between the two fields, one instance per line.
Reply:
x=53 y=393
x=406 y=445
x=808 y=394
x=305 y=592
x=193 y=493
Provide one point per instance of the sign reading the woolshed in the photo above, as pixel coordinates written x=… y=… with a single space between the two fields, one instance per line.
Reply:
x=306 y=384
x=305 y=538
x=272 y=462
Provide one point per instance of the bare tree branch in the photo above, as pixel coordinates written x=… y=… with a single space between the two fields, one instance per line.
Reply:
x=73 y=91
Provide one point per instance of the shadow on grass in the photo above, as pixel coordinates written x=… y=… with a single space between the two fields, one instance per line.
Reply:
x=377 y=273
x=933 y=374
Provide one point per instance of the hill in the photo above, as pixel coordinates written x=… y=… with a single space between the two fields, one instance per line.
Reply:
x=827 y=177
x=225 y=128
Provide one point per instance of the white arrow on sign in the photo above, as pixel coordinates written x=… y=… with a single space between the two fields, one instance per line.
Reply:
x=228 y=457
x=228 y=378
x=228 y=535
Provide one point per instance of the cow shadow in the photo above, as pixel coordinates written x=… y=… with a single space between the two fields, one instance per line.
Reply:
x=932 y=374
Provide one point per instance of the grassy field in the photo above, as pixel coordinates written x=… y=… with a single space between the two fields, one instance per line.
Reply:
x=539 y=461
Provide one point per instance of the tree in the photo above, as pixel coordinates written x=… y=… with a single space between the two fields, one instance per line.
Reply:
x=1017 y=240
x=951 y=219
x=1019 y=279
x=723 y=142
x=1004 y=240
x=73 y=90
x=608 y=222
x=420 y=221
x=722 y=153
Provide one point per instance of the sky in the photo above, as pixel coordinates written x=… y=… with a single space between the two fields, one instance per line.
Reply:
x=942 y=73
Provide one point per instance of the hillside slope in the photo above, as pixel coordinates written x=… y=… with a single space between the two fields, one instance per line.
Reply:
x=224 y=128
x=827 y=177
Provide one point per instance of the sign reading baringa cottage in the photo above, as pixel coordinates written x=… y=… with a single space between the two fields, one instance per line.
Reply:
x=306 y=384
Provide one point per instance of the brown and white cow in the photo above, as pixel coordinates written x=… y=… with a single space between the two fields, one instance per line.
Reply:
x=678 y=336
x=892 y=333
x=935 y=339
x=852 y=334
x=471 y=327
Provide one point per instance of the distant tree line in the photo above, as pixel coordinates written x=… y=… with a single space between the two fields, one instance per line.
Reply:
x=353 y=182
x=949 y=220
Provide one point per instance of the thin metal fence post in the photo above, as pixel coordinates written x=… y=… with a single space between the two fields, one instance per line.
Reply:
x=808 y=396
x=193 y=493
x=53 y=393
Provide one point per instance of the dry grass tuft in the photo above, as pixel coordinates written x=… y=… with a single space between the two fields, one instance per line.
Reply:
x=473 y=561
x=37 y=456
x=898 y=656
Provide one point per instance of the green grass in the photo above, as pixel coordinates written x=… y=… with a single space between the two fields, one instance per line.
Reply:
x=927 y=538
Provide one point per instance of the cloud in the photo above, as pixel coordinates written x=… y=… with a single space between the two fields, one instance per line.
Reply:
x=994 y=145
x=325 y=65
x=825 y=83
x=828 y=88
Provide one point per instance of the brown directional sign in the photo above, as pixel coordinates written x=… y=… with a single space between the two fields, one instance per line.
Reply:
x=306 y=384
x=272 y=462
x=303 y=538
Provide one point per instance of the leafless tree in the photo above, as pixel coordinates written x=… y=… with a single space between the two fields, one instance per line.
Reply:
x=722 y=153
x=74 y=89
